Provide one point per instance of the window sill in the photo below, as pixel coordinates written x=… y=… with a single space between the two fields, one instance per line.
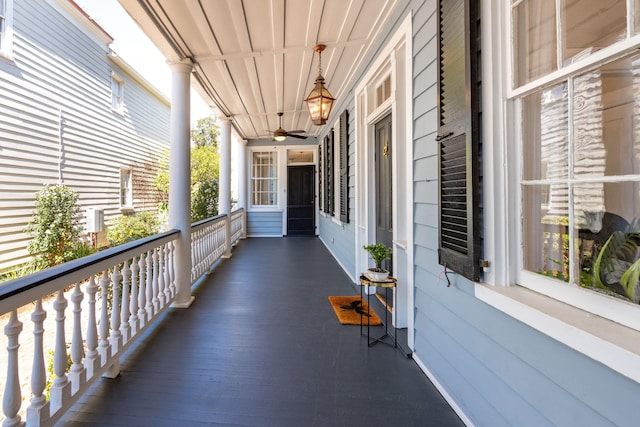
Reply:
x=614 y=345
x=6 y=56
x=127 y=210
x=265 y=209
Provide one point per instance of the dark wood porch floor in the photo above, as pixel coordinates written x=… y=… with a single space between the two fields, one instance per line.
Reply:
x=261 y=346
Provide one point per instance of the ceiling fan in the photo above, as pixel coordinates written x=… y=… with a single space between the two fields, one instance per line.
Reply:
x=280 y=134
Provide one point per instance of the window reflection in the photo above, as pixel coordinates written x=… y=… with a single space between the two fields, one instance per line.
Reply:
x=581 y=159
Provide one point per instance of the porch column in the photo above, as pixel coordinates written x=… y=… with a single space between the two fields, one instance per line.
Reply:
x=224 y=187
x=242 y=182
x=180 y=178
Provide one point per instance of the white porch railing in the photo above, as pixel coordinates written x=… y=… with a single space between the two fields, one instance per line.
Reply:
x=114 y=295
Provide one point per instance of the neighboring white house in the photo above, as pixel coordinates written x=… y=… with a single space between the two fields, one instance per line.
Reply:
x=71 y=112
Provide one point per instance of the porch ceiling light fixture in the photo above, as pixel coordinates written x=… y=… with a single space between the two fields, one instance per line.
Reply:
x=319 y=101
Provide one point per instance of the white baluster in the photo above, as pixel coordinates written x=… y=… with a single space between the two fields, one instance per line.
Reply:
x=104 y=349
x=154 y=283
x=61 y=389
x=78 y=373
x=115 y=339
x=142 y=314
x=172 y=273
x=116 y=336
x=133 y=303
x=12 y=398
x=167 y=275
x=149 y=305
x=38 y=410
x=124 y=308
x=161 y=300
x=92 y=360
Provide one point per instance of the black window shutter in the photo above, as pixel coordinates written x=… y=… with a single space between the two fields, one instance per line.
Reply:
x=344 y=167
x=320 y=178
x=329 y=195
x=459 y=137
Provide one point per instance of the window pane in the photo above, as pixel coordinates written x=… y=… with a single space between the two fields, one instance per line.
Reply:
x=546 y=134
x=590 y=25
x=535 y=39
x=545 y=230
x=264 y=179
x=606 y=120
x=621 y=208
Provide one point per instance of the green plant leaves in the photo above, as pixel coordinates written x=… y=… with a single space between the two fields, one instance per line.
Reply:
x=618 y=261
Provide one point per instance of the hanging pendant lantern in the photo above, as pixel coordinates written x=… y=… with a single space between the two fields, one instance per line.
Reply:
x=319 y=101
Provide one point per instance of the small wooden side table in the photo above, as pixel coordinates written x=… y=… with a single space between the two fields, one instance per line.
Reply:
x=389 y=282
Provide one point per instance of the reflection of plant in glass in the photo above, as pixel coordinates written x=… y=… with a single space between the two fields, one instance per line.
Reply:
x=617 y=267
x=552 y=243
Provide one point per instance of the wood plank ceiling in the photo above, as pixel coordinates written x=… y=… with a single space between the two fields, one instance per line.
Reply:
x=255 y=58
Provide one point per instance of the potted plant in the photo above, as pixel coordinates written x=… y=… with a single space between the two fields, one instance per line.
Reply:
x=378 y=253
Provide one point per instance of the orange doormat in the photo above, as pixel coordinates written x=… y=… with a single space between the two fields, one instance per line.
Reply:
x=348 y=309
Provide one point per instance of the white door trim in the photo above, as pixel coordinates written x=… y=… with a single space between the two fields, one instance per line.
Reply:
x=395 y=61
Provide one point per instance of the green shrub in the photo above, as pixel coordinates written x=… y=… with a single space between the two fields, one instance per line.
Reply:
x=55 y=226
x=127 y=228
x=17 y=272
x=204 y=201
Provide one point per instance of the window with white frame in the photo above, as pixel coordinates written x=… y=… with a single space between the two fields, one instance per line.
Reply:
x=264 y=178
x=6 y=7
x=580 y=150
x=126 y=188
x=117 y=93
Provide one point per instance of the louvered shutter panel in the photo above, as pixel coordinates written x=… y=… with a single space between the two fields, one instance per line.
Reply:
x=329 y=183
x=344 y=167
x=459 y=137
x=320 y=179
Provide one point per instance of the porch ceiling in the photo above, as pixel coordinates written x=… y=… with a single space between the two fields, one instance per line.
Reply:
x=255 y=58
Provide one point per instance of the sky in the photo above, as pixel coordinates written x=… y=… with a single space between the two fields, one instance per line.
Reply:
x=132 y=45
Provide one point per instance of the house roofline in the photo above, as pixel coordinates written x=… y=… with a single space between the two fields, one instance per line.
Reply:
x=91 y=20
x=82 y=20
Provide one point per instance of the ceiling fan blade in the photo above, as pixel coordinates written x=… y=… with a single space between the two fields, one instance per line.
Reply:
x=297 y=131
x=297 y=136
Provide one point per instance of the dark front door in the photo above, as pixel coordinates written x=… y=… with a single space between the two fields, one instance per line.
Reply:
x=301 y=212
x=383 y=190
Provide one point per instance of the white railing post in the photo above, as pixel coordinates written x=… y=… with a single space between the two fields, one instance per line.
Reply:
x=154 y=283
x=115 y=339
x=142 y=292
x=172 y=274
x=160 y=255
x=61 y=389
x=149 y=273
x=38 y=410
x=78 y=373
x=227 y=237
x=166 y=257
x=104 y=349
x=92 y=359
x=12 y=398
x=125 y=328
x=134 y=325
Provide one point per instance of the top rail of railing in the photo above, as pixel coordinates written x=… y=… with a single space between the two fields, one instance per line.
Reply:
x=205 y=222
x=21 y=291
x=16 y=293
